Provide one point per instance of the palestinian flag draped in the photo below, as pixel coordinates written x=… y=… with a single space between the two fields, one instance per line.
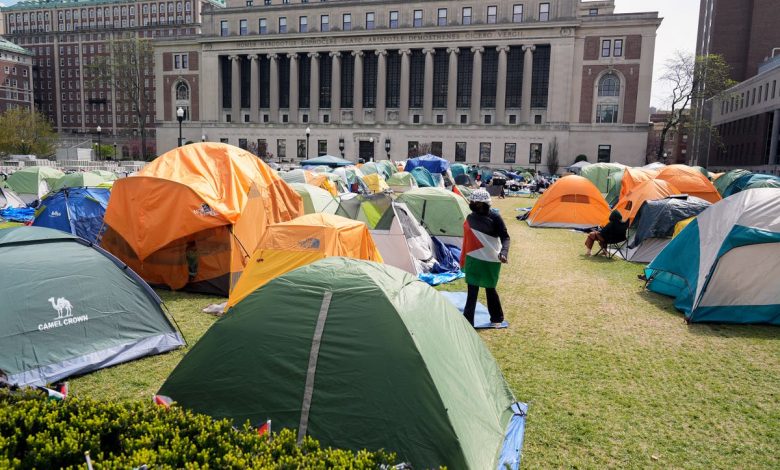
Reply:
x=479 y=257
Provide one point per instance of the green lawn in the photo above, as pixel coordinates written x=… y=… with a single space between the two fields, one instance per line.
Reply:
x=613 y=375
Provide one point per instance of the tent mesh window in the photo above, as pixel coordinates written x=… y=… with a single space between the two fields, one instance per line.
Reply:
x=575 y=198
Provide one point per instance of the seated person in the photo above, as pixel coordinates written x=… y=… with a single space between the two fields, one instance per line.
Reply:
x=613 y=232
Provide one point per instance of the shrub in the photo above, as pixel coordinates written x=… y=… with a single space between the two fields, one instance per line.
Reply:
x=581 y=158
x=38 y=433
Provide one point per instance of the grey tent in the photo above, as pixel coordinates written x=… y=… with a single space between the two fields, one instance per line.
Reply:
x=69 y=307
x=653 y=225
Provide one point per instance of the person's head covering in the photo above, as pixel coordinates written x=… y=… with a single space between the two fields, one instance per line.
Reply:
x=615 y=216
x=480 y=195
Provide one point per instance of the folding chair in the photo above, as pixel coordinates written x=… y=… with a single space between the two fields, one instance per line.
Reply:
x=611 y=249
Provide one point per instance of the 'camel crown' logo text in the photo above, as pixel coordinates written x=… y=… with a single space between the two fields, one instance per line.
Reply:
x=65 y=317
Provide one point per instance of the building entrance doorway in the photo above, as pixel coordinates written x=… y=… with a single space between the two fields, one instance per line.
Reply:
x=366 y=150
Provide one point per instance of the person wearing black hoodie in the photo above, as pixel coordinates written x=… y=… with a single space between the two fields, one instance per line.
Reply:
x=613 y=232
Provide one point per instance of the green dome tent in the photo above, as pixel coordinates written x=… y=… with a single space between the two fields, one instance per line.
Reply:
x=315 y=200
x=408 y=374
x=57 y=318
x=440 y=211
x=725 y=180
x=401 y=181
x=33 y=182
x=615 y=184
x=79 y=180
x=599 y=174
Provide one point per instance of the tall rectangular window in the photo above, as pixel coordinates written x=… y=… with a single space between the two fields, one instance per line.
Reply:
x=262 y=26
x=544 y=12
x=393 y=90
x=304 y=80
x=326 y=69
x=322 y=147
x=466 y=16
x=346 y=21
x=606 y=47
x=223 y=28
x=517 y=13
x=417 y=18
x=617 y=48
x=283 y=65
x=440 y=78
x=243 y=30
x=303 y=24
x=492 y=13
x=540 y=76
x=460 y=151
x=442 y=17
x=606 y=113
x=465 y=67
x=369 y=80
x=510 y=153
x=393 y=20
x=282 y=24
x=416 y=78
x=605 y=154
x=324 y=23
x=484 y=152
x=347 y=80
x=489 y=77
x=281 y=148
x=514 y=77
x=370 y=20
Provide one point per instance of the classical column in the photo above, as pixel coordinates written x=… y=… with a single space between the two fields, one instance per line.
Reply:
x=403 y=112
x=381 y=86
x=452 y=86
x=775 y=135
x=314 y=87
x=335 y=88
x=254 y=89
x=501 y=85
x=293 y=108
x=357 y=89
x=528 y=64
x=476 y=84
x=273 y=89
x=235 y=89
x=428 y=86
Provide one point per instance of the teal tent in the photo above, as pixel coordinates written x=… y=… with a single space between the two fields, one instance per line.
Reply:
x=720 y=268
x=725 y=180
x=327 y=160
x=423 y=177
x=70 y=308
x=358 y=355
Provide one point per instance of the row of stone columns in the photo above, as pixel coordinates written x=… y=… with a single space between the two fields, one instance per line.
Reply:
x=380 y=110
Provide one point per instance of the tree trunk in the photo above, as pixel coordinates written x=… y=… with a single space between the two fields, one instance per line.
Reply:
x=661 y=144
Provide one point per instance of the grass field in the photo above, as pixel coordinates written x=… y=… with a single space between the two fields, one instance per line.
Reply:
x=613 y=375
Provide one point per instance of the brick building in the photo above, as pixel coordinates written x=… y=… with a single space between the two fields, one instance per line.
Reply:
x=479 y=82
x=675 y=144
x=15 y=75
x=66 y=36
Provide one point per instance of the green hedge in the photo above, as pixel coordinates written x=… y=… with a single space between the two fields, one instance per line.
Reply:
x=38 y=433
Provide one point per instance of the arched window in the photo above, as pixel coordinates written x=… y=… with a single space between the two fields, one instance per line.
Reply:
x=608 y=100
x=609 y=85
x=182 y=91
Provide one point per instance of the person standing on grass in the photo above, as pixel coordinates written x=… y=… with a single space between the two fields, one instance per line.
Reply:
x=485 y=248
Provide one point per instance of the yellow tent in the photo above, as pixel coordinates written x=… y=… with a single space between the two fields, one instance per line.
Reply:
x=375 y=183
x=290 y=245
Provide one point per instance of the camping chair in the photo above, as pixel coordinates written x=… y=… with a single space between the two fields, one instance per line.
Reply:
x=615 y=246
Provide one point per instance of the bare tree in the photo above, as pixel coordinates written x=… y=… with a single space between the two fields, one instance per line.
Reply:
x=553 y=164
x=691 y=79
x=125 y=69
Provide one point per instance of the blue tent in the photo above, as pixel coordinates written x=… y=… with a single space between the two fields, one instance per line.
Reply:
x=719 y=267
x=750 y=180
x=423 y=177
x=432 y=163
x=78 y=211
x=327 y=160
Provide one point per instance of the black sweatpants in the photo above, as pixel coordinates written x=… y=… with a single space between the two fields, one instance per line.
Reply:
x=493 y=304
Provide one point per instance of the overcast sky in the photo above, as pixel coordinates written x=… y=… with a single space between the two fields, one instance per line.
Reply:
x=677 y=32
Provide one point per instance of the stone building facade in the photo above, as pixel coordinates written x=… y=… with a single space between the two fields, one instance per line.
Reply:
x=481 y=82
x=15 y=76
x=66 y=36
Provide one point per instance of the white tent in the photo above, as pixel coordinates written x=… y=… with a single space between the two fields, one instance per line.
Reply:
x=403 y=242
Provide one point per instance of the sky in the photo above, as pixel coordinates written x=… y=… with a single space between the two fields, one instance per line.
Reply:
x=677 y=32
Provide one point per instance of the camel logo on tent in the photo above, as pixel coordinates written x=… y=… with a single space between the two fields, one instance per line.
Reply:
x=64 y=314
x=205 y=210
x=310 y=243
x=55 y=213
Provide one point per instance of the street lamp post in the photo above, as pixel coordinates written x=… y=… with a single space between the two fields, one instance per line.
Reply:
x=341 y=146
x=203 y=138
x=371 y=141
x=114 y=150
x=387 y=147
x=180 y=118
x=308 y=133
x=99 y=130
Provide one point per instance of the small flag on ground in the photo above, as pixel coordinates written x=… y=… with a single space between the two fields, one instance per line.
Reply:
x=52 y=394
x=162 y=400
x=265 y=429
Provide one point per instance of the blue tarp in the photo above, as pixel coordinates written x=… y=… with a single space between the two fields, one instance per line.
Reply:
x=481 y=315
x=511 y=451
x=447 y=257
x=432 y=163
x=17 y=214
x=78 y=211
x=441 y=278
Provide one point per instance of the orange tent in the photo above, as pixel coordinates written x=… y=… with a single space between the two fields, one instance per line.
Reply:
x=572 y=201
x=290 y=245
x=647 y=191
x=633 y=177
x=689 y=180
x=190 y=219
